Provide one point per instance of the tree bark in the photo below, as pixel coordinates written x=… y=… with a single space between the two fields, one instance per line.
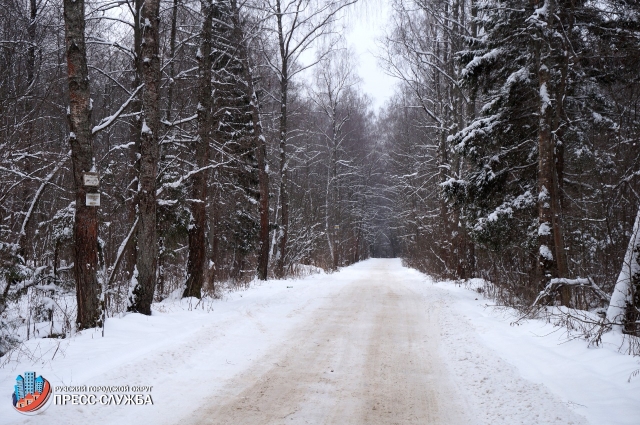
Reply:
x=147 y=244
x=172 y=55
x=624 y=308
x=129 y=256
x=283 y=230
x=327 y=220
x=263 y=175
x=335 y=192
x=284 y=194
x=28 y=136
x=547 y=263
x=551 y=255
x=196 y=264
x=80 y=138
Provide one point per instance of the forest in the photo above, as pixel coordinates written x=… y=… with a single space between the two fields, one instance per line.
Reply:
x=162 y=147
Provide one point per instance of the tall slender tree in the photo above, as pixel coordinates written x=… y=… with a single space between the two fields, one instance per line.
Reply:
x=197 y=242
x=145 y=275
x=241 y=41
x=80 y=138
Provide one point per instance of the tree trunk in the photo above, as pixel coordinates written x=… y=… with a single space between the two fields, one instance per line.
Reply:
x=80 y=138
x=172 y=58
x=546 y=169
x=284 y=194
x=197 y=241
x=31 y=53
x=28 y=136
x=471 y=115
x=259 y=143
x=129 y=256
x=624 y=308
x=551 y=255
x=327 y=220
x=147 y=245
x=335 y=196
x=263 y=259
x=283 y=230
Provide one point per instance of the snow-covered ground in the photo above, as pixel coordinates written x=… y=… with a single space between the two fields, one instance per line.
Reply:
x=592 y=382
x=373 y=343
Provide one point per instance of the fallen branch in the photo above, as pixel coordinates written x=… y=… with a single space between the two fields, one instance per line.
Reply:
x=555 y=284
x=121 y=249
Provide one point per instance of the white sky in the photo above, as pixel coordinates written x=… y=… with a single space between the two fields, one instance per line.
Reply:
x=367 y=23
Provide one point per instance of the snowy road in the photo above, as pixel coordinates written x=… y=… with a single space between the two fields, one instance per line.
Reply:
x=375 y=343
x=369 y=355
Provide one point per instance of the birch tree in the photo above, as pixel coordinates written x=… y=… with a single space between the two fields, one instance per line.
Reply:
x=144 y=281
x=624 y=308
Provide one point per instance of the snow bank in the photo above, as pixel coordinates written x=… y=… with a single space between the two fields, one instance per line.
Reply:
x=593 y=382
x=171 y=350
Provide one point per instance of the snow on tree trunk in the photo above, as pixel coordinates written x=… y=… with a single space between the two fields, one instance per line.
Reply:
x=624 y=309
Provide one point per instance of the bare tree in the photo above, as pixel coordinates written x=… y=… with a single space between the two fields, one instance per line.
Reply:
x=197 y=227
x=147 y=246
x=298 y=24
x=80 y=138
x=335 y=81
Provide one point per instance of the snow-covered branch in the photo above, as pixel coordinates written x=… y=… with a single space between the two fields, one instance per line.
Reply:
x=554 y=286
x=106 y=122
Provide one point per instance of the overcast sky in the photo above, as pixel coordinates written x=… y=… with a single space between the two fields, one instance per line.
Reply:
x=366 y=24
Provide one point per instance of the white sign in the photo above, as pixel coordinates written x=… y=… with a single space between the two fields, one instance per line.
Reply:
x=91 y=179
x=92 y=200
